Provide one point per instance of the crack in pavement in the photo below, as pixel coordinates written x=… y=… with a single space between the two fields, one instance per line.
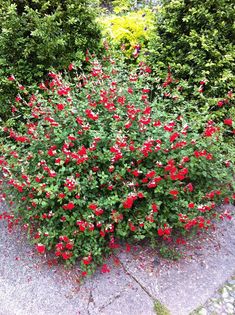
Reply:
x=137 y=281
x=116 y=296
x=90 y=300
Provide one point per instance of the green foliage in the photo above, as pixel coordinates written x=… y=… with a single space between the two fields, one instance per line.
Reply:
x=197 y=39
x=169 y=253
x=121 y=6
x=125 y=34
x=36 y=35
x=160 y=308
x=96 y=162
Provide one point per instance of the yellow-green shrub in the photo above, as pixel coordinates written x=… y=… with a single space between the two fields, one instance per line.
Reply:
x=127 y=31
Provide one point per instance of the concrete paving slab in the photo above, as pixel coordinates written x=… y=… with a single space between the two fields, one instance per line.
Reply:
x=132 y=300
x=209 y=260
x=106 y=287
x=185 y=288
x=141 y=272
x=29 y=286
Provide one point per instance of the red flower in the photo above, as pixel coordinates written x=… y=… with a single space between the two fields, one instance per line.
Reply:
x=174 y=136
x=37 y=235
x=60 y=106
x=102 y=233
x=59 y=246
x=70 y=67
x=90 y=114
x=167 y=231
x=128 y=125
x=64 y=238
x=228 y=121
x=41 y=248
x=136 y=173
x=69 y=206
x=105 y=268
x=140 y=195
x=209 y=156
x=150 y=174
x=121 y=100
x=79 y=120
x=22 y=139
x=92 y=206
x=82 y=225
x=189 y=187
x=11 y=78
x=174 y=192
x=70 y=184
x=145 y=120
x=82 y=151
x=66 y=255
x=157 y=123
x=111 y=168
x=154 y=207
x=128 y=248
x=180 y=241
x=128 y=203
x=69 y=246
x=132 y=227
x=191 y=205
x=63 y=91
x=57 y=161
x=99 y=212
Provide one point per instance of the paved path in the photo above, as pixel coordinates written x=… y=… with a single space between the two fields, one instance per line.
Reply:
x=29 y=286
x=222 y=302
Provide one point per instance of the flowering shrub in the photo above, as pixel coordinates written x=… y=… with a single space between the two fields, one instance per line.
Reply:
x=96 y=162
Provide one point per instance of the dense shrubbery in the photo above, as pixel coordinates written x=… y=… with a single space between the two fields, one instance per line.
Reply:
x=125 y=34
x=119 y=6
x=197 y=39
x=36 y=35
x=97 y=162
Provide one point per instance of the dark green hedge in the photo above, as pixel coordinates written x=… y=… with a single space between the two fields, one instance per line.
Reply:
x=36 y=35
x=196 y=37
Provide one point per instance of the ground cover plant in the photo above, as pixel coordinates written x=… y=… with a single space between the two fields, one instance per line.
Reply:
x=36 y=35
x=93 y=161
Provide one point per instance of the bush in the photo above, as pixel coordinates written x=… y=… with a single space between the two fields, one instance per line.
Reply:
x=119 y=6
x=96 y=162
x=124 y=34
x=36 y=35
x=196 y=38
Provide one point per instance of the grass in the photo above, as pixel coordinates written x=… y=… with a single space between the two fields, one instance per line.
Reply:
x=161 y=309
x=196 y=311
